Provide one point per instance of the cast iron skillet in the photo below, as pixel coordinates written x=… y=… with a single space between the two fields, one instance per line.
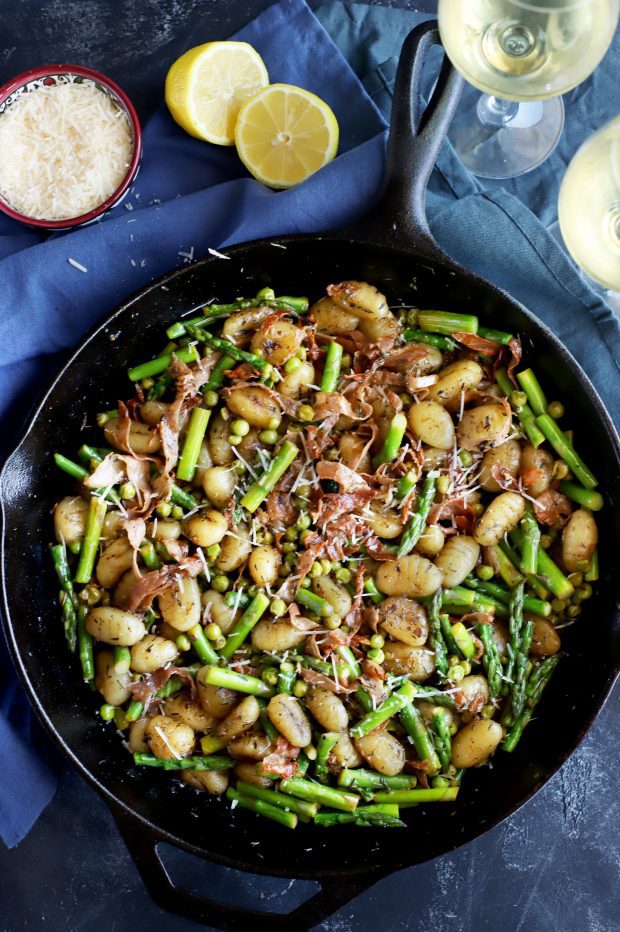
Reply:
x=395 y=251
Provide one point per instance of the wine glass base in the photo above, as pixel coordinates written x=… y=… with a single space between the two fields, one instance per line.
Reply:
x=510 y=149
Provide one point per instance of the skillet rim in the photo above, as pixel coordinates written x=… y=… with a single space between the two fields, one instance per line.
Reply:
x=122 y=810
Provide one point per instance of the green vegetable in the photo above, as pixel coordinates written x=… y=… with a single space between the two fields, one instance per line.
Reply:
x=412 y=722
x=390 y=707
x=447 y=322
x=220 y=676
x=288 y=819
x=564 y=448
x=192 y=444
x=393 y=440
x=331 y=372
x=90 y=546
x=317 y=793
x=584 y=497
x=431 y=339
x=259 y=491
x=535 y=395
x=161 y=363
x=415 y=528
x=239 y=632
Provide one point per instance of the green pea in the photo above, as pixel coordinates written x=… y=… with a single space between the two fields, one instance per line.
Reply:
x=270 y=676
x=273 y=423
x=147 y=383
x=234 y=440
x=558 y=605
x=292 y=364
x=485 y=572
x=300 y=689
x=555 y=409
x=213 y=552
x=240 y=427
x=443 y=485
x=332 y=623
x=278 y=608
x=269 y=437
x=290 y=534
x=376 y=654
x=343 y=575
x=213 y=631
x=303 y=521
x=466 y=458
x=177 y=512
x=289 y=547
x=377 y=641
x=305 y=413
x=456 y=672
x=210 y=399
x=107 y=712
x=220 y=644
x=316 y=570
x=163 y=509
x=518 y=399
x=439 y=782
x=220 y=583
x=128 y=490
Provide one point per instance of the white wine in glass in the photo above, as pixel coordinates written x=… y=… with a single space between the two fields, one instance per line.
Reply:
x=527 y=51
x=589 y=206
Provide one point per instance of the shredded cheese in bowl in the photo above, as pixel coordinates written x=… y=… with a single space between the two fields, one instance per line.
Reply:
x=65 y=148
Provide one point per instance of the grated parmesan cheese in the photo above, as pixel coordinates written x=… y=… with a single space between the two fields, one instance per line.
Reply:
x=65 y=149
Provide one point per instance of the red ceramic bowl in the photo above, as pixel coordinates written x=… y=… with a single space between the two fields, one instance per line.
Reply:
x=54 y=74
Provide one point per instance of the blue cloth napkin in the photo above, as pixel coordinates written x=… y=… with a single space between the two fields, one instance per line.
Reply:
x=190 y=196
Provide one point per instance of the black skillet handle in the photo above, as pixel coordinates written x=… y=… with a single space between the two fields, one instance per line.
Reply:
x=142 y=842
x=416 y=137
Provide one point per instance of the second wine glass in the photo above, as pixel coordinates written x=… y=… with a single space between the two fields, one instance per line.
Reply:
x=523 y=54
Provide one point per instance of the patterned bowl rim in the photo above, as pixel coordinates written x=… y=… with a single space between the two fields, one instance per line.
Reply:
x=35 y=76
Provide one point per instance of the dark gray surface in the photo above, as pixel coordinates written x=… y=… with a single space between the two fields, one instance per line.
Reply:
x=552 y=866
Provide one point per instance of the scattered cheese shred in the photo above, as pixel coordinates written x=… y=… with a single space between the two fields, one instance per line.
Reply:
x=65 y=149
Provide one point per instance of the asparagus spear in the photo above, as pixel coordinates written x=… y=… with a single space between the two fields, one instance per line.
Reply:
x=90 y=546
x=531 y=541
x=244 y=625
x=406 y=484
x=525 y=415
x=193 y=441
x=216 y=379
x=365 y=816
x=210 y=744
x=584 y=497
x=229 y=679
x=331 y=372
x=390 y=707
x=490 y=659
x=446 y=630
x=436 y=641
x=225 y=346
x=431 y=339
x=78 y=472
x=593 y=572
x=443 y=740
x=463 y=640
x=412 y=722
x=552 y=575
x=68 y=598
x=447 y=322
x=417 y=522
x=507 y=562
x=147 y=370
x=85 y=645
x=182 y=498
x=288 y=819
x=564 y=448
x=202 y=646
x=134 y=710
x=521 y=663
x=348 y=658
x=530 y=604
x=317 y=793
x=459 y=596
x=314 y=603
x=515 y=625
x=442 y=794
x=286 y=678
x=495 y=336
x=535 y=395
x=393 y=440
x=212 y=762
x=259 y=491
x=370 y=587
x=303 y=809
x=543 y=674
x=321 y=766
x=122 y=660
x=370 y=780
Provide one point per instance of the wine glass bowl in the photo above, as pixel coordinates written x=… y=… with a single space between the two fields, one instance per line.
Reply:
x=589 y=206
x=525 y=51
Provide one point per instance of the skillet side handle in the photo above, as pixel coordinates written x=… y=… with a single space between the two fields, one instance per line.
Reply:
x=415 y=140
x=142 y=841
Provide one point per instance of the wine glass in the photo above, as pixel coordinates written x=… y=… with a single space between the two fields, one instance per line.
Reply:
x=522 y=54
x=589 y=208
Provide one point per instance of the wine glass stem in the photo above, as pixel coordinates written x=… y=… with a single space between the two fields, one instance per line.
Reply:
x=494 y=111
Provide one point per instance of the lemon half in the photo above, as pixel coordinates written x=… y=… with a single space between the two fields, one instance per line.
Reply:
x=206 y=87
x=284 y=134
